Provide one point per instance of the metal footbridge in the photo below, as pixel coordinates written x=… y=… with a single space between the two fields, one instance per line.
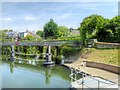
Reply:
x=49 y=44
x=41 y=43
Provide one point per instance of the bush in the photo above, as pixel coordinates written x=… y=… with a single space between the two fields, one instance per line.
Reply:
x=70 y=50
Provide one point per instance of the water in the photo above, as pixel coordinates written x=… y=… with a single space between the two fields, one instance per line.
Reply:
x=34 y=75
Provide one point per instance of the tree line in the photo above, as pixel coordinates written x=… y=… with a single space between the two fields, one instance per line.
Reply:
x=92 y=27
x=100 y=28
x=51 y=30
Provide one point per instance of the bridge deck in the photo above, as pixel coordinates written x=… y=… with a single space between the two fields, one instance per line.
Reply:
x=41 y=43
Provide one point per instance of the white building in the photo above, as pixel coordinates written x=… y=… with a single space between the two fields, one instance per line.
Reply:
x=23 y=34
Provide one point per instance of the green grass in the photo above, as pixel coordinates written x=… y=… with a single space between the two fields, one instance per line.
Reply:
x=108 y=56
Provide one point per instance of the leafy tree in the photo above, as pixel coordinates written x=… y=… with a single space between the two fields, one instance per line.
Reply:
x=63 y=31
x=51 y=29
x=90 y=26
x=110 y=31
x=40 y=33
x=10 y=30
x=29 y=37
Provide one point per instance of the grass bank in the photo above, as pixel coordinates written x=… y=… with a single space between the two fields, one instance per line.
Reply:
x=107 y=56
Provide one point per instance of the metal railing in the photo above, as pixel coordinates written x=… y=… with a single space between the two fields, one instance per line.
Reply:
x=42 y=43
x=88 y=81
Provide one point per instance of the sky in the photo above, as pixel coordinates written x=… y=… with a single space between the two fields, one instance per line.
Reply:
x=20 y=16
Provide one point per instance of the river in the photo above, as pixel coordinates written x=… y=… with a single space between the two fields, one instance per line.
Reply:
x=25 y=75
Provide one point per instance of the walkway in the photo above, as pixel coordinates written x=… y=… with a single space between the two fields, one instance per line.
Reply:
x=41 y=43
x=96 y=72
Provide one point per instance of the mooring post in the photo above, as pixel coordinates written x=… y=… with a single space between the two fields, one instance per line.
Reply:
x=12 y=53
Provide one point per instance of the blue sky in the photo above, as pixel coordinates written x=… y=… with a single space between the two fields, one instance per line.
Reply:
x=33 y=15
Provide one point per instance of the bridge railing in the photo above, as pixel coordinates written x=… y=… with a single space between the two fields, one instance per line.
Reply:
x=42 y=43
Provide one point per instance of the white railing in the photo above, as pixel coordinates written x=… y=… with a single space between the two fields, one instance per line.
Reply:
x=88 y=81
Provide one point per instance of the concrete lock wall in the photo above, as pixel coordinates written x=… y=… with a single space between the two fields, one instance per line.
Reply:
x=111 y=68
x=96 y=44
x=106 y=45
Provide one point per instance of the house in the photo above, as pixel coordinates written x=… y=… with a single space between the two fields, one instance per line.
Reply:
x=74 y=32
x=22 y=34
x=11 y=34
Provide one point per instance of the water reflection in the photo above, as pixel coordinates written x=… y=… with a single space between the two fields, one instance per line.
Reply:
x=47 y=70
x=12 y=64
x=33 y=75
x=48 y=75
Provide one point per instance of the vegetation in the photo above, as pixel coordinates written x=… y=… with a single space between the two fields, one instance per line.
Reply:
x=40 y=33
x=51 y=30
x=70 y=51
x=93 y=26
x=105 y=30
x=63 y=31
x=108 y=56
x=29 y=37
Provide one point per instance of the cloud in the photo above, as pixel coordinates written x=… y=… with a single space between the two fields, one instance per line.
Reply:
x=30 y=18
x=7 y=19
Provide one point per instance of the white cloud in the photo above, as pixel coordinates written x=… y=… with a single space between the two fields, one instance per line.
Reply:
x=7 y=19
x=30 y=18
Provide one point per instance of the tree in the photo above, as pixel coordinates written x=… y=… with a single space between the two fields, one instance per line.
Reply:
x=51 y=29
x=110 y=31
x=90 y=25
x=10 y=30
x=40 y=33
x=63 y=31
x=29 y=37
x=114 y=26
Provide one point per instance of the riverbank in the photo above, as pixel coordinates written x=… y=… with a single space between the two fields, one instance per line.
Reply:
x=94 y=71
x=106 y=56
x=100 y=62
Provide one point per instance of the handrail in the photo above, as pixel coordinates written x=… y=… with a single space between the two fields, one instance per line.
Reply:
x=75 y=71
x=27 y=59
x=29 y=54
x=52 y=43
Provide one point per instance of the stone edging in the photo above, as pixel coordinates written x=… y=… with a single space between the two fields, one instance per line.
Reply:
x=111 y=68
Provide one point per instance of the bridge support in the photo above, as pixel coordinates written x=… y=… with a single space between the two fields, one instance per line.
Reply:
x=49 y=61
x=12 y=56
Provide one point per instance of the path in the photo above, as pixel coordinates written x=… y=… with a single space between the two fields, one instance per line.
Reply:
x=95 y=71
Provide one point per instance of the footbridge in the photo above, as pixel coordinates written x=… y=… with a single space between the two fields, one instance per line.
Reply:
x=41 y=43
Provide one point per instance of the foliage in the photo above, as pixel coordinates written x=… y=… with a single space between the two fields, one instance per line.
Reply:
x=108 y=56
x=29 y=37
x=4 y=36
x=105 y=30
x=63 y=31
x=40 y=33
x=51 y=29
x=70 y=50
x=110 y=32
x=90 y=25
